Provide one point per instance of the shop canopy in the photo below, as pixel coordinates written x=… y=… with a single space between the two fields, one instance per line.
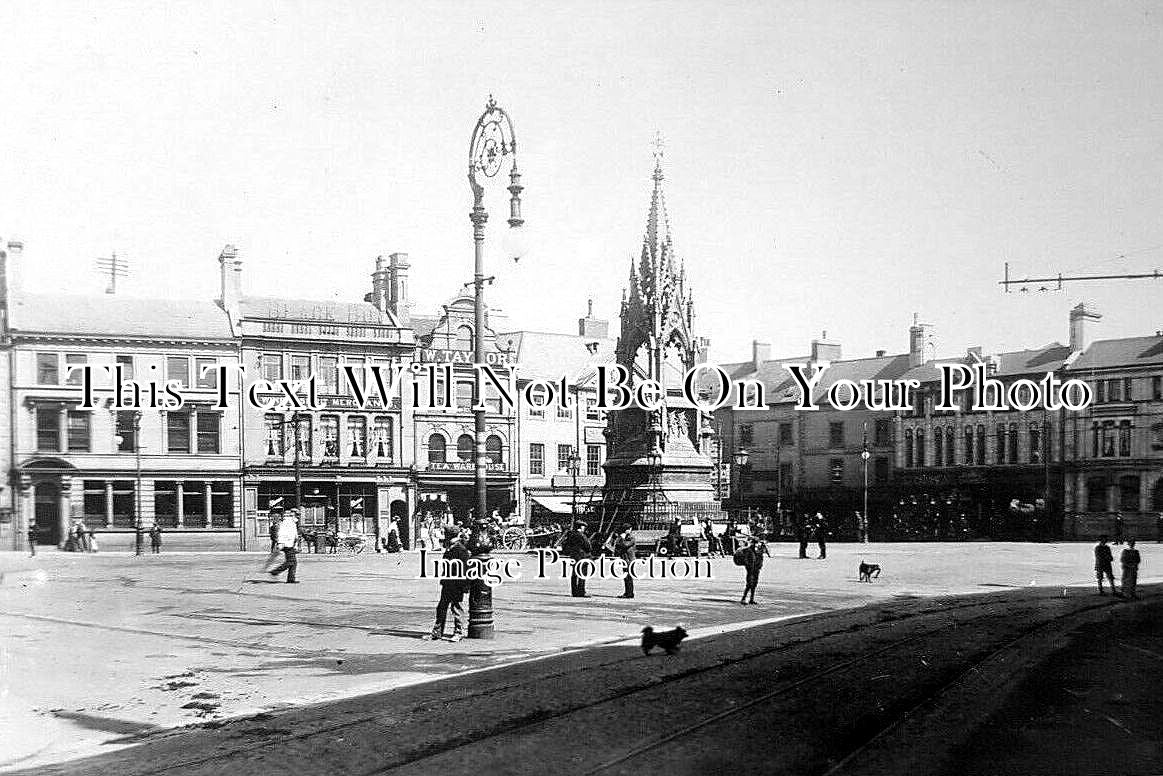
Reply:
x=556 y=504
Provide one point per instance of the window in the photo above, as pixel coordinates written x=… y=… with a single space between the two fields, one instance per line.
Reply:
x=882 y=435
x=1100 y=392
x=127 y=431
x=836 y=470
x=969 y=445
x=1124 y=438
x=329 y=432
x=463 y=339
x=1114 y=390
x=79 y=435
x=48 y=369
x=938 y=447
x=221 y=504
x=1128 y=386
x=206 y=373
x=1157 y=388
x=464 y=395
x=75 y=376
x=880 y=469
x=785 y=437
x=356 y=363
x=1157 y=436
x=178 y=432
x=328 y=375
x=93 y=502
x=178 y=370
x=302 y=429
x=908 y=447
x=950 y=443
x=493 y=449
x=383 y=436
x=593 y=460
x=165 y=503
x=1035 y=443
x=920 y=447
x=1001 y=442
x=1129 y=493
x=124 y=511
x=564 y=413
x=836 y=434
x=437 y=449
x=1013 y=443
x=272 y=367
x=981 y=445
x=357 y=433
x=1096 y=494
x=592 y=411
x=1095 y=439
x=126 y=364
x=564 y=456
x=1108 y=439
x=209 y=431
x=300 y=367
x=536 y=458
x=464 y=444
x=746 y=435
x=275 y=436
x=48 y=429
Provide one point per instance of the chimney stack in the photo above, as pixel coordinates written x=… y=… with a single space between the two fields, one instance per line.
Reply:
x=590 y=326
x=916 y=342
x=9 y=280
x=397 y=287
x=824 y=351
x=760 y=352
x=380 y=295
x=1080 y=326
x=230 y=291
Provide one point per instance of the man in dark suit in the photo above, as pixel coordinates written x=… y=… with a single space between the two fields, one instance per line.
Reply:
x=576 y=545
x=625 y=547
x=452 y=591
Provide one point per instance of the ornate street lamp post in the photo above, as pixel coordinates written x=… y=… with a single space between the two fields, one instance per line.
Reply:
x=493 y=141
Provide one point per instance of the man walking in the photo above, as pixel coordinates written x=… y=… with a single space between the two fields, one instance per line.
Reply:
x=452 y=590
x=33 y=538
x=1129 y=560
x=155 y=539
x=1102 y=564
x=576 y=545
x=287 y=536
x=802 y=535
x=822 y=535
x=625 y=547
x=753 y=564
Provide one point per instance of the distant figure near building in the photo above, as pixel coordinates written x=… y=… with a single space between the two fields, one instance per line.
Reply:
x=576 y=545
x=821 y=535
x=155 y=539
x=1118 y=527
x=753 y=564
x=1102 y=564
x=1129 y=559
x=33 y=538
x=288 y=537
x=802 y=535
x=625 y=547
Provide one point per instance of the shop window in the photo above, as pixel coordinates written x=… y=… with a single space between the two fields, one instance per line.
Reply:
x=493 y=449
x=275 y=435
x=48 y=429
x=1096 y=494
x=437 y=449
x=383 y=437
x=194 y=503
x=222 y=504
x=48 y=366
x=124 y=507
x=93 y=502
x=329 y=433
x=165 y=503
x=593 y=460
x=536 y=459
x=464 y=445
x=79 y=434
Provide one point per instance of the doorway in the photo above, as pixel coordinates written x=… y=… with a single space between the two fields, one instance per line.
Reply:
x=47 y=513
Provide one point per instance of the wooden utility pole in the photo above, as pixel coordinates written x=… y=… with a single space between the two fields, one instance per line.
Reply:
x=114 y=268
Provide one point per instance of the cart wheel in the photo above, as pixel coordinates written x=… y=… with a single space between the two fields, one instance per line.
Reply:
x=513 y=539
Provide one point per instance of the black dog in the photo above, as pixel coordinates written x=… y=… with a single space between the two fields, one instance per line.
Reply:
x=868 y=571
x=668 y=640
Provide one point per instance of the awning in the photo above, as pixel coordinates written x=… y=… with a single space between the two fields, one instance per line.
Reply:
x=555 y=504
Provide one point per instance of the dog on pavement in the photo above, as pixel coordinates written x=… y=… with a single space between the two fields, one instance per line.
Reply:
x=868 y=571
x=668 y=640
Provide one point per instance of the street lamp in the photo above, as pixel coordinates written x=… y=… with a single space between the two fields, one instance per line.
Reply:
x=493 y=141
x=138 y=539
x=574 y=467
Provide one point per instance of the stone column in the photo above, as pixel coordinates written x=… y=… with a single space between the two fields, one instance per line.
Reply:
x=63 y=422
x=179 y=486
x=208 y=490
x=66 y=502
x=108 y=504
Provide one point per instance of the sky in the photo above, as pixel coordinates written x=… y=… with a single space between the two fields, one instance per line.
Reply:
x=830 y=166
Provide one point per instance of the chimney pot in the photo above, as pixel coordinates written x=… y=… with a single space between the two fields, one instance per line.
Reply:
x=760 y=352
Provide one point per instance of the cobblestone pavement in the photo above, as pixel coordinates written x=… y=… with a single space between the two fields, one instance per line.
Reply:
x=101 y=649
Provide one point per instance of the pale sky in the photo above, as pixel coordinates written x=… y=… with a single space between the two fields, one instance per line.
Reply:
x=829 y=165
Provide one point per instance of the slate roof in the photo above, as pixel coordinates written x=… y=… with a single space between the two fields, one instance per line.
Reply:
x=118 y=316
x=1129 y=351
x=313 y=310
x=550 y=355
x=1037 y=361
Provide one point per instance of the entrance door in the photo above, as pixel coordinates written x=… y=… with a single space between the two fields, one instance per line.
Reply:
x=47 y=514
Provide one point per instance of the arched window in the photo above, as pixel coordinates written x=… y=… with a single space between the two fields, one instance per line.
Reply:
x=1129 y=493
x=1096 y=494
x=920 y=447
x=908 y=448
x=464 y=338
x=493 y=449
x=950 y=446
x=464 y=447
x=436 y=449
x=969 y=445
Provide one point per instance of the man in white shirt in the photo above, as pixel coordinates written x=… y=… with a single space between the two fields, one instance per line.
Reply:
x=287 y=536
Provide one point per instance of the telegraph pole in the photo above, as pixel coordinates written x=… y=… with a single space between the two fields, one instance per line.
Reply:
x=1059 y=279
x=114 y=268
